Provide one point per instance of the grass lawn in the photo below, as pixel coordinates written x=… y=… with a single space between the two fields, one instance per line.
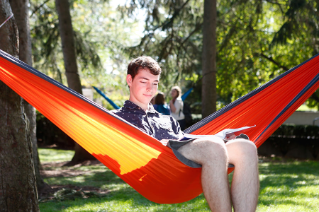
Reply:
x=284 y=186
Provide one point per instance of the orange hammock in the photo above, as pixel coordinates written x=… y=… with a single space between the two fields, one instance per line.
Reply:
x=140 y=160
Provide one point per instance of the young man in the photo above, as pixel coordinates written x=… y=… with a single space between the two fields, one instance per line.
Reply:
x=212 y=154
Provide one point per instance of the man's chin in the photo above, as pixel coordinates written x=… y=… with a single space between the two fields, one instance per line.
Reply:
x=147 y=99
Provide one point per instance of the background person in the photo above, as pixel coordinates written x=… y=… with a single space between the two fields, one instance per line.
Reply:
x=160 y=105
x=176 y=106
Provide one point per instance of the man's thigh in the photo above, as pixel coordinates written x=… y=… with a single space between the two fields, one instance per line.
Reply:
x=202 y=149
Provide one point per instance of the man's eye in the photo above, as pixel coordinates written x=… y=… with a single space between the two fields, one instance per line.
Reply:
x=143 y=82
x=155 y=83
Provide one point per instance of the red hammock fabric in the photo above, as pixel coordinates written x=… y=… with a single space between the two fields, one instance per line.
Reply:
x=140 y=160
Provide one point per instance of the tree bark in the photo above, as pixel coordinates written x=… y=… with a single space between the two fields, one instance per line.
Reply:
x=20 y=11
x=17 y=180
x=70 y=64
x=209 y=95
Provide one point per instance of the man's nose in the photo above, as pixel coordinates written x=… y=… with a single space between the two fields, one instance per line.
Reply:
x=149 y=86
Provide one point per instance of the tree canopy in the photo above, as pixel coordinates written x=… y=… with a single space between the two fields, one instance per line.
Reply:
x=256 y=41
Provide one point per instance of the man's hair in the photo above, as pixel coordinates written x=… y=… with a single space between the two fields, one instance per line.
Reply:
x=143 y=62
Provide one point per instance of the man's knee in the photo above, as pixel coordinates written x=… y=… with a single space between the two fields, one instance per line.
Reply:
x=248 y=148
x=242 y=149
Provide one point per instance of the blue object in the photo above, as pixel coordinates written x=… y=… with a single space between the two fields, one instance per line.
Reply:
x=105 y=97
x=186 y=94
x=163 y=109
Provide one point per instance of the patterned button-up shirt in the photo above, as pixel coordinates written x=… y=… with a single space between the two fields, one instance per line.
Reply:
x=151 y=122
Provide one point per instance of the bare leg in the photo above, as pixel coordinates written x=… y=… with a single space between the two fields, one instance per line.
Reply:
x=245 y=184
x=212 y=155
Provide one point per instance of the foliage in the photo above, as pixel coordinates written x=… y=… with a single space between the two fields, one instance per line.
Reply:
x=297 y=131
x=99 y=37
x=256 y=41
x=300 y=28
x=46 y=42
x=247 y=38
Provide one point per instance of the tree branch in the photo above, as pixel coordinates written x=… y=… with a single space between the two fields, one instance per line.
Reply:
x=198 y=27
x=273 y=61
x=39 y=7
x=166 y=23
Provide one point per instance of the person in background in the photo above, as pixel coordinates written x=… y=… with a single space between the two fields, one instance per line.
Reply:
x=160 y=105
x=153 y=102
x=176 y=106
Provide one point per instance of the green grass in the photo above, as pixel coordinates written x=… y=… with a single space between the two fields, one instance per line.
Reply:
x=288 y=186
x=292 y=186
x=55 y=155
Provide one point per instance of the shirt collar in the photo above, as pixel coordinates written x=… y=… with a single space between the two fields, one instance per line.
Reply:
x=151 y=108
x=132 y=106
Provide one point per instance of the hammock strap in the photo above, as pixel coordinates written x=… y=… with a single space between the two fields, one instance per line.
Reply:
x=6 y=20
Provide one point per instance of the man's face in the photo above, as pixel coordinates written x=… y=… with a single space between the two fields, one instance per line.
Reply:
x=143 y=87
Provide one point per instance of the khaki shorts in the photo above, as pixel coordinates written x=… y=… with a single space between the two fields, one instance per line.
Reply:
x=175 y=145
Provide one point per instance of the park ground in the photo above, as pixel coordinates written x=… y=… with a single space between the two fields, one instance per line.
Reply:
x=285 y=185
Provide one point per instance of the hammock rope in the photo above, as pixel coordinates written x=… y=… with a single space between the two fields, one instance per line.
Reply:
x=115 y=106
x=6 y=20
x=140 y=160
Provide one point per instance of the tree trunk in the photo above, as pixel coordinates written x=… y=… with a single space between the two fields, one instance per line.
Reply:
x=20 y=11
x=70 y=64
x=17 y=180
x=209 y=95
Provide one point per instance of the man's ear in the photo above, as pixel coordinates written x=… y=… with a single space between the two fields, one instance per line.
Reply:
x=129 y=80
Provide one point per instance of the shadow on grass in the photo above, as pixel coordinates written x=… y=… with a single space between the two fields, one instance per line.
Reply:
x=120 y=194
x=97 y=179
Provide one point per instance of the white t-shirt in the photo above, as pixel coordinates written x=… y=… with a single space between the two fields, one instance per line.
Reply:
x=178 y=115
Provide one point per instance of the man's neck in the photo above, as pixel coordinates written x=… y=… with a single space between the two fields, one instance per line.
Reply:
x=143 y=106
